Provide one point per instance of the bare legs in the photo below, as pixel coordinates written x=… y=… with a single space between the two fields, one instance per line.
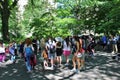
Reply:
x=80 y=63
x=59 y=60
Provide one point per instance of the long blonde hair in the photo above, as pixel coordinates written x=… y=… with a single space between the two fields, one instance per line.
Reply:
x=42 y=43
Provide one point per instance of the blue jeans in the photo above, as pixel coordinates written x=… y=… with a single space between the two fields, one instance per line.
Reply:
x=13 y=58
x=28 y=65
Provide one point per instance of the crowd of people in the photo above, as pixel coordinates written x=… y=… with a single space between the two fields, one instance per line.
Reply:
x=52 y=49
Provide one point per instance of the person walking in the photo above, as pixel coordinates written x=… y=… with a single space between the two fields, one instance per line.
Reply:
x=28 y=50
x=59 y=52
x=78 y=56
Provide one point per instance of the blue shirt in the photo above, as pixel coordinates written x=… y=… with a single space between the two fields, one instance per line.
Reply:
x=104 y=39
x=12 y=50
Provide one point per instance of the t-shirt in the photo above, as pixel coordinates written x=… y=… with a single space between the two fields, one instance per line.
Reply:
x=2 y=50
x=12 y=50
x=51 y=45
x=104 y=39
x=65 y=47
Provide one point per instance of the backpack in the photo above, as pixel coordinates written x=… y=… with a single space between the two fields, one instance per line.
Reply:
x=52 y=48
x=28 y=50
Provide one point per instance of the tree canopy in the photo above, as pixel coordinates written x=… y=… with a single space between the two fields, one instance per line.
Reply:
x=43 y=18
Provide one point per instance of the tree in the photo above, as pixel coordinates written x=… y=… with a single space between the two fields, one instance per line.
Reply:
x=108 y=17
x=5 y=10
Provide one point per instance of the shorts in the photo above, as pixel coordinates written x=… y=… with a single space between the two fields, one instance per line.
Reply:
x=66 y=53
x=59 y=51
x=52 y=56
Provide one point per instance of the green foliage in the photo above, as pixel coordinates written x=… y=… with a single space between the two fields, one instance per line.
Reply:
x=90 y=15
x=62 y=13
x=111 y=12
x=74 y=17
x=45 y=27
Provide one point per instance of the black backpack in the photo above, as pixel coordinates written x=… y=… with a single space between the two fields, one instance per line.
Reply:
x=52 y=48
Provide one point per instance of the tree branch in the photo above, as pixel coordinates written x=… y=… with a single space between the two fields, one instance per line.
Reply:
x=14 y=4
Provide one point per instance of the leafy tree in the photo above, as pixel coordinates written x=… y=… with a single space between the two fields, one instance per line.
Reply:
x=100 y=16
x=5 y=10
x=108 y=16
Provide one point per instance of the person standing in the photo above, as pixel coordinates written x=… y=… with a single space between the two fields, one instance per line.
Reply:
x=118 y=43
x=78 y=56
x=21 y=49
x=104 y=41
x=59 y=52
x=114 y=44
x=50 y=46
x=66 y=50
x=2 y=52
x=34 y=42
x=15 y=46
x=12 y=51
x=28 y=50
x=42 y=45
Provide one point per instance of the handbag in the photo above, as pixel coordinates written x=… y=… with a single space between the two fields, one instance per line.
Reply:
x=79 y=55
x=33 y=60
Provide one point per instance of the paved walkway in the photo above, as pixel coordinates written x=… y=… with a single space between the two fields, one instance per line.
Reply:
x=101 y=67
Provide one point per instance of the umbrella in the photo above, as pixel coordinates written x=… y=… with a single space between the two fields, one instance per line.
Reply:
x=59 y=39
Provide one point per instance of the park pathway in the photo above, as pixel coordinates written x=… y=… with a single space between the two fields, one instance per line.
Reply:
x=101 y=67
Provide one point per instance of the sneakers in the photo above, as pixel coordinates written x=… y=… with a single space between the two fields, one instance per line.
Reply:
x=73 y=70
x=77 y=71
x=66 y=64
x=29 y=71
x=52 y=68
x=48 y=68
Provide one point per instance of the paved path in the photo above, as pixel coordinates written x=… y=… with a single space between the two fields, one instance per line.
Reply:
x=101 y=67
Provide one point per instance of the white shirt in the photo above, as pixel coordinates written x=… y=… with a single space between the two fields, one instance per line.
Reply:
x=2 y=49
x=65 y=47
x=15 y=44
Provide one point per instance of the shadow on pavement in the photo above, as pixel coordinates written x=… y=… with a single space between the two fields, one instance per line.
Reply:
x=101 y=66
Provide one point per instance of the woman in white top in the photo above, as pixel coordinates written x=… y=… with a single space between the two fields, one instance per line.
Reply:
x=50 y=46
x=66 y=49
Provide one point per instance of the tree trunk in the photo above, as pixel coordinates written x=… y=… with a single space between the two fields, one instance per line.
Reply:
x=5 y=14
